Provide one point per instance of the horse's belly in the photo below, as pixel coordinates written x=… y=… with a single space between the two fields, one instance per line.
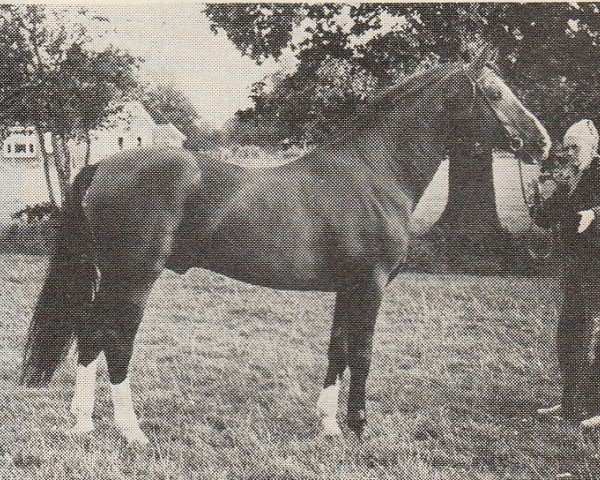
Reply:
x=279 y=268
x=289 y=248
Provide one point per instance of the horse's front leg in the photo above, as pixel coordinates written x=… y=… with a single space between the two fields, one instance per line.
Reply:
x=360 y=309
x=327 y=405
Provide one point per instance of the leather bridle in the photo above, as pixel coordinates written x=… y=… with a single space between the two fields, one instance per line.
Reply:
x=515 y=141
x=516 y=146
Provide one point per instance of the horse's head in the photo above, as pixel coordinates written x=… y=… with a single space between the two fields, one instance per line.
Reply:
x=447 y=108
x=491 y=114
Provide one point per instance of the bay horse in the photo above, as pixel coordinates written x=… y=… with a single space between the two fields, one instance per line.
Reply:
x=335 y=220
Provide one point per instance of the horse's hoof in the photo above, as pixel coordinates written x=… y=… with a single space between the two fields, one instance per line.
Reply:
x=82 y=427
x=356 y=422
x=134 y=436
x=331 y=427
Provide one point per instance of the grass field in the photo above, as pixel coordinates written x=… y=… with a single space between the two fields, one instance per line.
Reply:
x=226 y=377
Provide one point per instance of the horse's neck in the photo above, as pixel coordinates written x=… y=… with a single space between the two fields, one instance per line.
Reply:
x=411 y=158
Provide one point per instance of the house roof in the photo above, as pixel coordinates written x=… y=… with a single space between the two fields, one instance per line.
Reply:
x=131 y=112
x=169 y=128
x=138 y=111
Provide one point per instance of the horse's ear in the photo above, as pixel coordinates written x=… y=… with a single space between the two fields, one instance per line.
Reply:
x=485 y=56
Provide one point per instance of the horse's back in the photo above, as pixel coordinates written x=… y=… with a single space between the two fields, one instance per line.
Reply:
x=149 y=174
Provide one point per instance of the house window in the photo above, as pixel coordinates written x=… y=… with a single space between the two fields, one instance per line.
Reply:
x=139 y=141
x=120 y=143
x=31 y=148
x=20 y=148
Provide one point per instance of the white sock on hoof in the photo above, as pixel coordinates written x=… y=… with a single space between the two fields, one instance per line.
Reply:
x=555 y=410
x=125 y=417
x=593 y=422
x=82 y=405
x=82 y=427
x=327 y=406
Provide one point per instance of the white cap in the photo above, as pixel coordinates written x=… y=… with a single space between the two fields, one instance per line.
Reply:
x=582 y=133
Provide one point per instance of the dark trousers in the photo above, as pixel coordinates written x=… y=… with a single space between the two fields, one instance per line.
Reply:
x=578 y=337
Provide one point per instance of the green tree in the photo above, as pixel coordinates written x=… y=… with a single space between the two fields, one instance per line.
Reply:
x=536 y=45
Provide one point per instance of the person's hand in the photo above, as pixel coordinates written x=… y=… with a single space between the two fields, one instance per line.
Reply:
x=587 y=217
x=562 y=176
x=547 y=188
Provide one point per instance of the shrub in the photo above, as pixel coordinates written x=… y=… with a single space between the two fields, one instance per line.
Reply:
x=36 y=213
x=35 y=238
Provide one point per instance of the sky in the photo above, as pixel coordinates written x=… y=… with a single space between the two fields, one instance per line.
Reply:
x=180 y=49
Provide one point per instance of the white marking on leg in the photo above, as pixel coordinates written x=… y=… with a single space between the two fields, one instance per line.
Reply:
x=593 y=422
x=327 y=406
x=125 y=417
x=82 y=405
x=97 y=280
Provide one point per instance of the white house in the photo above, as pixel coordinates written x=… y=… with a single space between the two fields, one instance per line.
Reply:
x=22 y=144
x=22 y=179
x=132 y=126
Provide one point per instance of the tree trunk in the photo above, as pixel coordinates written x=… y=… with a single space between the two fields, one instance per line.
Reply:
x=88 y=148
x=471 y=197
x=469 y=227
x=62 y=169
x=46 y=162
x=67 y=157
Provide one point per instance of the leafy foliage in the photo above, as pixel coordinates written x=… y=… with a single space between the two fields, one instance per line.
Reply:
x=345 y=52
x=36 y=213
x=53 y=80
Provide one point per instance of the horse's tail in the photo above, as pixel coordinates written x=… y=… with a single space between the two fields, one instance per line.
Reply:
x=68 y=290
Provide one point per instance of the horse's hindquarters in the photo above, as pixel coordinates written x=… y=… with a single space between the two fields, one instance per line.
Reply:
x=134 y=206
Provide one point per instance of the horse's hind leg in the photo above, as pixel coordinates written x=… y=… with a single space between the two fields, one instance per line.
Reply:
x=327 y=404
x=89 y=346
x=121 y=305
x=82 y=405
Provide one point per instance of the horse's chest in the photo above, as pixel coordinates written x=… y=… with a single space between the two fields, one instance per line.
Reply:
x=383 y=220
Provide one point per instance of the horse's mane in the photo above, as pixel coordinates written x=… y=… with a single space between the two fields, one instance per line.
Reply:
x=408 y=91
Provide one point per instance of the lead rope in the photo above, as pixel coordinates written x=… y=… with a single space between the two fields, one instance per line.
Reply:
x=531 y=228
